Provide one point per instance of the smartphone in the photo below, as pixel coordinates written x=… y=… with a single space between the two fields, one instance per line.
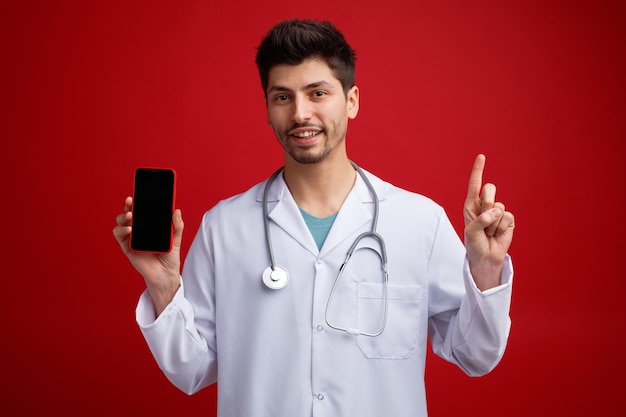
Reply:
x=154 y=194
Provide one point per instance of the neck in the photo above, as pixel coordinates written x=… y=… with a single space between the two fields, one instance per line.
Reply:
x=320 y=189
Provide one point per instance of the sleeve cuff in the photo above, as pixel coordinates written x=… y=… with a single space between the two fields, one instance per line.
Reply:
x=144 y=313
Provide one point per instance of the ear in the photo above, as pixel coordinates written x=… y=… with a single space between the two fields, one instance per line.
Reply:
x=353 y=102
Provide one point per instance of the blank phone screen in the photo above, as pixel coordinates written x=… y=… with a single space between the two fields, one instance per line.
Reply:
x=153 y=202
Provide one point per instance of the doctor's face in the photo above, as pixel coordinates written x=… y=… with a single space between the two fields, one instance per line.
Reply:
x=308 y=110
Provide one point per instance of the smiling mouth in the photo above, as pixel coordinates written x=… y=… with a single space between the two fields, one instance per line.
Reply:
x=305 y=134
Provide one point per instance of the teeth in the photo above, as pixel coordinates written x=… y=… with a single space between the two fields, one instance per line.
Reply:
x=306 y=134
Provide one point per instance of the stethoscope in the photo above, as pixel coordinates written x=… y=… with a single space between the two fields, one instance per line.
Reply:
x=276 y=277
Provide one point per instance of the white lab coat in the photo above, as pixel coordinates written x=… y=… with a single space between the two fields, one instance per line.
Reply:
x=271 y=351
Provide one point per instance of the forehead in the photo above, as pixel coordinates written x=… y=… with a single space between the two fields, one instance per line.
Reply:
x=295 y=77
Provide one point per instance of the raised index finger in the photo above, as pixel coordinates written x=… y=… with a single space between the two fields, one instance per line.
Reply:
x=476 y=178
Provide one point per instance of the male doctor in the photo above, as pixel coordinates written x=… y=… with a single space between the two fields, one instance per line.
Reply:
x=308 y=343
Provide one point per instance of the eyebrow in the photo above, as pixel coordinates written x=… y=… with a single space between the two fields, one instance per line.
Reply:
x=315 y=84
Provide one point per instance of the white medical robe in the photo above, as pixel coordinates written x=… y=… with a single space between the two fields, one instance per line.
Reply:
x=272 y=352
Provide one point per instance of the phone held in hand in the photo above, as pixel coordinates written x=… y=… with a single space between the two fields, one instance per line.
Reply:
x=154 y=194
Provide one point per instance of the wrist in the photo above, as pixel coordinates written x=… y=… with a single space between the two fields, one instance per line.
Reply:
x=486 y=274
x=163 y=294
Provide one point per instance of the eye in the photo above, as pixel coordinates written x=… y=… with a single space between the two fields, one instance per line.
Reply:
x=280 y=98
x=319 y=93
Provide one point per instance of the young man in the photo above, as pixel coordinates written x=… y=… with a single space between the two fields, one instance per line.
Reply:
x=308 y=336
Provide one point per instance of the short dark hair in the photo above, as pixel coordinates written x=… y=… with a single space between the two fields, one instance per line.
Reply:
x=294 y=41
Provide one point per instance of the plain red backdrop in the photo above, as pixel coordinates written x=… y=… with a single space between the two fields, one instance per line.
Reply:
x=92 y=89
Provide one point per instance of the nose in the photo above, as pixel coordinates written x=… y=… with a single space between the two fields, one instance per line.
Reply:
x=301 y=110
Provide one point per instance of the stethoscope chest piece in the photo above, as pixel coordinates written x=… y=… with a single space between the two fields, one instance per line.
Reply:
x=276 y=278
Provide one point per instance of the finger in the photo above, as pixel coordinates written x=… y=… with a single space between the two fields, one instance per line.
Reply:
x=121 y=233
x=128 y=203
x=507 y=223
x=488 y=197
x=123 y=229
x=491 y=230
x=124 y=219
x=476 y=178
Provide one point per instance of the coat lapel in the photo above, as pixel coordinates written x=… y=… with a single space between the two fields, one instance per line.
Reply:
x=284 y=213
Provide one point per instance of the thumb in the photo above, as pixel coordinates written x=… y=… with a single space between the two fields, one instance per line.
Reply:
x=179 y=225
x=482 y=222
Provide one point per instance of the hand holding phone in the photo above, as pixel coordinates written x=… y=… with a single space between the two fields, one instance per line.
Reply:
x=160 y=270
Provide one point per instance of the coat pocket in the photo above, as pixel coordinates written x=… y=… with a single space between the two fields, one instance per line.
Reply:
x=400 y=337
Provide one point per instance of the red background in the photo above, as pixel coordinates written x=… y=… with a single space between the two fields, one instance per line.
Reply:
x=92 y=89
